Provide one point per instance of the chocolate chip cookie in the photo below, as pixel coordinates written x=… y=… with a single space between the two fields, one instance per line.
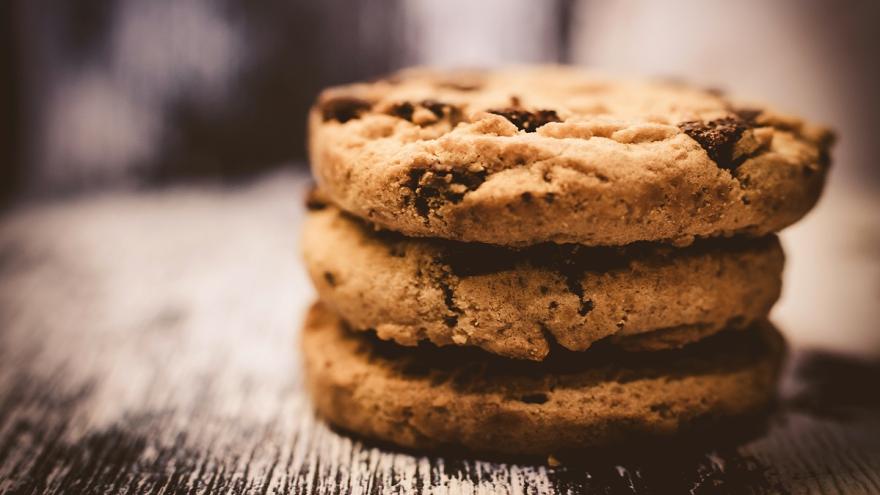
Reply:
x=553 y=154
x=432 y=398
x=518 y=302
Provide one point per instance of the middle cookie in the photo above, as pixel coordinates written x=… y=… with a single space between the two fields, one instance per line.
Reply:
x=515 y=303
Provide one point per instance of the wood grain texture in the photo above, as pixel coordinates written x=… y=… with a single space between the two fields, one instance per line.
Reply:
x=148 y=345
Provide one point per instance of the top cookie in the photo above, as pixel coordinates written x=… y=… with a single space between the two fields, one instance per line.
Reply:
x=530 y=155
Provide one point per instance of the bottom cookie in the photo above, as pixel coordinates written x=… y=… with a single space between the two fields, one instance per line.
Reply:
x=453 y=398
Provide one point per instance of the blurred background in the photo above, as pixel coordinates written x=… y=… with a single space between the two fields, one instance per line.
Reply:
x=108 y=92
x=126 y=95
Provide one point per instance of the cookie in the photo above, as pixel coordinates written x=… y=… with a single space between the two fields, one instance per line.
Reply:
x=516 y=303
x=436 y=398
x=554 y=154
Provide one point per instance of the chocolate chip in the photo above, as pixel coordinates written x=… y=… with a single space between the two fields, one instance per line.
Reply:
x=573 y=261
x=422 y=206
x=549 y=198
x=413 y=184
x=403 y=110
x=526 y=197
x=436 y=107
x=525 y=120
x=406 y=110
x=585 y=307
x=414 y=177
x=471 y=180
x=343 y=108
x=331 y=280
x=718 y=137
x=573 y=274
x=431 y=190
x=449 y=299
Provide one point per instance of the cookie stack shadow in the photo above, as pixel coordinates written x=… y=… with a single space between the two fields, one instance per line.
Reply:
x=541 y=260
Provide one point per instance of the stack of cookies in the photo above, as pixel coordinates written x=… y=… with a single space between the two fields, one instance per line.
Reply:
x=540 y=260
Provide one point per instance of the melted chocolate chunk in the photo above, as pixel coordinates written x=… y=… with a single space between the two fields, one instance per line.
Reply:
x=403 y=110
x=432 y=190
x=446 y=283
x=573 y=266
x=343 y=108
x=420 y=196
x=718 y=137
x=449 y=300
x=471 y=180
x=525 y=120
x=436 y=107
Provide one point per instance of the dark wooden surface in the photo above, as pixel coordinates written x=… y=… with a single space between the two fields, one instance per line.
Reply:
x=148 y=345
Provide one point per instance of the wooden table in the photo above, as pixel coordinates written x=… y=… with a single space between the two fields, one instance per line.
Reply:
x=148 y=345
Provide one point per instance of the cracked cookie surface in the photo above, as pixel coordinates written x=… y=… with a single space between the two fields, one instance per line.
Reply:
x=438 y=398
x=520 y=302
x=554 y=154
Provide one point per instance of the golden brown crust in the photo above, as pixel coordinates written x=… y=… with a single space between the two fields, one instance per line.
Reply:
x=532 y=155
x=517 y=303
x=436 y=398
